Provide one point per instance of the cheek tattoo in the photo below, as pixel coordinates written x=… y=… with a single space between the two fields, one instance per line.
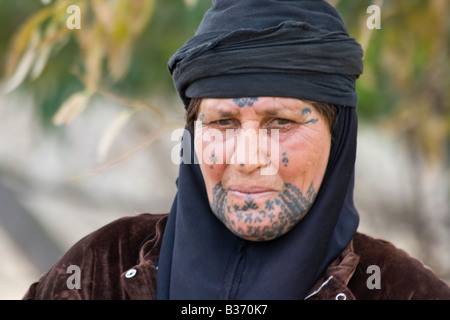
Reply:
x=213 y=160
x=285 y=160
x=280 y=213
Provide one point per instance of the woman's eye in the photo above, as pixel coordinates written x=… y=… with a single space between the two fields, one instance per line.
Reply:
x=224 y=123
x=282 y=122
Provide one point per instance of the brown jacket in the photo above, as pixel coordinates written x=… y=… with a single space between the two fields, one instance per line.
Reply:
x=119 y=261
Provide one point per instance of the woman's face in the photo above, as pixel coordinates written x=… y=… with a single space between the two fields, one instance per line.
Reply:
x=263 y=160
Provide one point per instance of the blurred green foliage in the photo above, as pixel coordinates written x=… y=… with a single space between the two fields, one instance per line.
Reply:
x=170 y=24
x=406 y=82
x=405 y=85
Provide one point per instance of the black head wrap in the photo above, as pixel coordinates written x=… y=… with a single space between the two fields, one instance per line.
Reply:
x=297 y=49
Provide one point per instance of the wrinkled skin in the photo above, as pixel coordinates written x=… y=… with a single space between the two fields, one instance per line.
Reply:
x=263 y=160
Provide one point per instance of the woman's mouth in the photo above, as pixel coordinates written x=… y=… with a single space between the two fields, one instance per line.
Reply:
x=244 y=192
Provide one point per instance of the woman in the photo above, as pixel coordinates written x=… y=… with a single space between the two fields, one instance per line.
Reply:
x=264 y=208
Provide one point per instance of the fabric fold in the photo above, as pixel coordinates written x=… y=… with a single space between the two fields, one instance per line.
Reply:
x=325 y=57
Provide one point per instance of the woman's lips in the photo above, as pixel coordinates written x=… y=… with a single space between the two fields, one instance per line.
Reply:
x=250 y=191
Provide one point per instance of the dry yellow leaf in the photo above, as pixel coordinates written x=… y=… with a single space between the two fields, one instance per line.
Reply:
x=70 y=109
x=112 y=131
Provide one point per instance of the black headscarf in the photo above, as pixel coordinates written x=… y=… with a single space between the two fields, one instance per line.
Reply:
x=297 y=49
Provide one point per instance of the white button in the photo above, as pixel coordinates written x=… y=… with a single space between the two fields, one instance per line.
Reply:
x=130 y=273
x=341 y=296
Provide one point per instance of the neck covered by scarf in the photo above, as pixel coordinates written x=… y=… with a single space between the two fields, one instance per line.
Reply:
x=302 y=51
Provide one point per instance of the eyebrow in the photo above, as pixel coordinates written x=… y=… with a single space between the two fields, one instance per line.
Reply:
x=226 y=113
x=268 y=111
x=233 y=113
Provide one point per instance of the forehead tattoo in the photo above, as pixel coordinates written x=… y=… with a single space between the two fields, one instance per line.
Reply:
x=242 y=102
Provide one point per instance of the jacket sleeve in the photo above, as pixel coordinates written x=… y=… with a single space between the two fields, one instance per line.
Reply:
x=401 y=277
x=64 y=280
x=92 y=269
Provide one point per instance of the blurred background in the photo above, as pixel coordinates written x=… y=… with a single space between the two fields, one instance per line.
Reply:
x=87 y=108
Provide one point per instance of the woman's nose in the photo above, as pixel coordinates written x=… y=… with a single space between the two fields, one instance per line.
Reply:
x=250 y=150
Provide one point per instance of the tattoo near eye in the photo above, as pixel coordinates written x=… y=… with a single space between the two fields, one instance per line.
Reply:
x=306 y=111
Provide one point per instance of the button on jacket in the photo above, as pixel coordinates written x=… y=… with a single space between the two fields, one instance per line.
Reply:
x=120 y=261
